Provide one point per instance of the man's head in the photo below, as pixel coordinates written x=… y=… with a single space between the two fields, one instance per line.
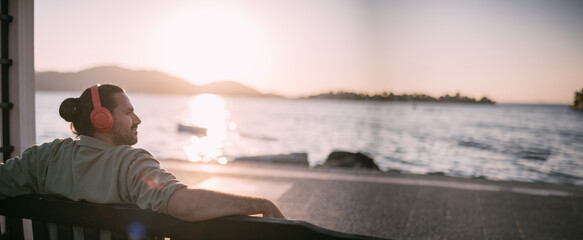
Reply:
x=125 y=121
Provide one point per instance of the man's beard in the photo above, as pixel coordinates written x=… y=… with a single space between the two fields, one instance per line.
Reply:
x=121 y=137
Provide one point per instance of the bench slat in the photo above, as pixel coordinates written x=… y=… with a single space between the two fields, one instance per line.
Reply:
x=89 y=234
x=14 y=228
x=40 y=230
x=118 y=236
x=64 y=232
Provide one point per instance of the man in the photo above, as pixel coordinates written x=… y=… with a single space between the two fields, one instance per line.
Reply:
x=102 y=167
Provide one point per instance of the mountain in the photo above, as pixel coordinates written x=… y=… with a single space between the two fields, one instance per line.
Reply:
x=228 y=88
x=135 y=81
x=132 y=81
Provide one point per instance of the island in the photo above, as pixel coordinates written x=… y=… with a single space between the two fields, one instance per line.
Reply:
x=458 y=98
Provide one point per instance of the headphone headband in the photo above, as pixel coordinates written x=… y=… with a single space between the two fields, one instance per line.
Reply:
x=101 y=118
x=95 y=96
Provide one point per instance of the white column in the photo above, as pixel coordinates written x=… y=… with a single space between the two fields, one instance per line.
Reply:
x=21 y=81
x=21 y=75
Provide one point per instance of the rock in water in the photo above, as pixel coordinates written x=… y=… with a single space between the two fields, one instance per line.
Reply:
x=292 y=158
x=350 y=160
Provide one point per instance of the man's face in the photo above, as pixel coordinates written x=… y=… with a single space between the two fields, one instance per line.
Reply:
x=125 y=121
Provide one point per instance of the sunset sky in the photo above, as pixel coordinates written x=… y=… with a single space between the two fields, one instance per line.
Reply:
x=523 y=51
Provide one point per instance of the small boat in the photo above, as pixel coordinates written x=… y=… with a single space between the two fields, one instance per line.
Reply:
x=192 y=129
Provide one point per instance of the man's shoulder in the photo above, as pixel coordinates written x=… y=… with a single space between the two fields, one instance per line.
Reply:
x=131 y=149
x=133 y=152
x=133 y=159
x=46 y=149
x=57 y=143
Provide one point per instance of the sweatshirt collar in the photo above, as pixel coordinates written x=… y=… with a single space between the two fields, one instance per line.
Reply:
x=92 y=142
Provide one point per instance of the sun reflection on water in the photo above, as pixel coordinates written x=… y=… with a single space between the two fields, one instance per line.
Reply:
x=208 y=111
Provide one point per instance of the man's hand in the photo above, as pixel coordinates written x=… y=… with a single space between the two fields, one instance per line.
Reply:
x=272 y=211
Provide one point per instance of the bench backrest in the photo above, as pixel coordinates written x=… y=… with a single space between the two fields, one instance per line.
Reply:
x=130 y=222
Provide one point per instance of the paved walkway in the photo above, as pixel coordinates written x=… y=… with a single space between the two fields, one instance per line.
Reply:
x=400 y=206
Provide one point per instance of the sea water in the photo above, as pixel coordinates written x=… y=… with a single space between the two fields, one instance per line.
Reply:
x=522 y=142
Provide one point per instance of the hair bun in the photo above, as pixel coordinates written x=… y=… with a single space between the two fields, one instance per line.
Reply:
x=68 y=109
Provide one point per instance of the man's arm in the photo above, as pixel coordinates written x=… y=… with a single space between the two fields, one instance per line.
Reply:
x=200 y=204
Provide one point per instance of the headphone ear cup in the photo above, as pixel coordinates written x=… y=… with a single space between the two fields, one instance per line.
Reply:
x=101 y=119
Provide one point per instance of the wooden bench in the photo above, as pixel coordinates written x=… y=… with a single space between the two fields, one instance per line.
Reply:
x=130 y=222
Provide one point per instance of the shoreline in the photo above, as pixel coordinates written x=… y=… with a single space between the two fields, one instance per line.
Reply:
x=286 y=170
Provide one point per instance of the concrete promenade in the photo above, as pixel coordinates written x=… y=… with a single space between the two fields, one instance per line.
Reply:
x=400 y=206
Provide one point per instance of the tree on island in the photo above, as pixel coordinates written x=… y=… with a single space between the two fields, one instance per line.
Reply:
x=578 y=102
x=400 y=98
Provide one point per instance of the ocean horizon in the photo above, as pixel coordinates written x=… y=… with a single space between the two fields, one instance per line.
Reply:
x=510 y=142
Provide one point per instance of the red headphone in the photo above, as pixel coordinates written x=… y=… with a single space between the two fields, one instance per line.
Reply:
x=101 y=118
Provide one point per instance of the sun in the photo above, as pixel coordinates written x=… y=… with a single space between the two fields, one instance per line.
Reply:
x=206 y=42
